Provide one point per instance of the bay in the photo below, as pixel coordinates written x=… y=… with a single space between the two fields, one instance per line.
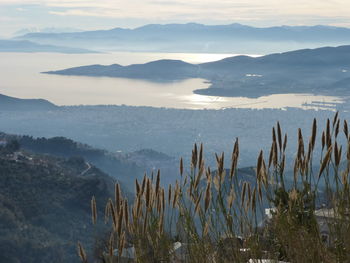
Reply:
x=21 y=77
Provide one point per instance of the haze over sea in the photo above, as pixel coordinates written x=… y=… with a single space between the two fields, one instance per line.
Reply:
x=21 y=78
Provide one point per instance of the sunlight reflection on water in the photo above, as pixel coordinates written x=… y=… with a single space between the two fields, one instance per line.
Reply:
x=276 y=101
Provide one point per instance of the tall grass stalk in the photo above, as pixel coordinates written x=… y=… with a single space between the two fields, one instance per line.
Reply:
x=217 y=216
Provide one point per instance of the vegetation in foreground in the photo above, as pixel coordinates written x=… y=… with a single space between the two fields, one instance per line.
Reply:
x=213 y=216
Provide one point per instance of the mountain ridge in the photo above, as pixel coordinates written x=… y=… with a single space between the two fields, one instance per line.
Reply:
x=14 y=104
x=191 y=26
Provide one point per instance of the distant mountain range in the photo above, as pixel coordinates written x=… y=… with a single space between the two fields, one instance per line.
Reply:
x=28 y=30
x=12 y=104
x=193 y=37
x=320 y=71
x=28 y=46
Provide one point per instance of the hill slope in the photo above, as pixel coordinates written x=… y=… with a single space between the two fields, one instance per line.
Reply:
x=165 y=70
x=45 y=206
x=119 y=167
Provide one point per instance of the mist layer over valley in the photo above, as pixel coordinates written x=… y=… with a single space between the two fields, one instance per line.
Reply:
x=127 y=129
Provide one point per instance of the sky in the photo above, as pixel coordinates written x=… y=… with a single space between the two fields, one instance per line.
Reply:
x=106 y=14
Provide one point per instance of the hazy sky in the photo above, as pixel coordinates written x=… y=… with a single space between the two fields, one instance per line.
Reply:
x=103 y=14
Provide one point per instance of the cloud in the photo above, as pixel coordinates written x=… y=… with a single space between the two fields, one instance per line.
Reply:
x=279 y=11
x=202 y=9
x=88 y=12
x=8 y=19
